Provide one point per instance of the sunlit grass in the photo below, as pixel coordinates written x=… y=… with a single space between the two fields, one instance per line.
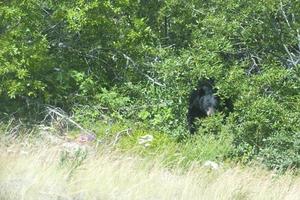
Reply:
x=57 y=169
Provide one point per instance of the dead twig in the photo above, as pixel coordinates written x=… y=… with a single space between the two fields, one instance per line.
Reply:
x=56 y=111
x=294 y=57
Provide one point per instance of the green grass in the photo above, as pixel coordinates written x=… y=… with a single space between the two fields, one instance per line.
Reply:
x=198 y=148
x=51 y=167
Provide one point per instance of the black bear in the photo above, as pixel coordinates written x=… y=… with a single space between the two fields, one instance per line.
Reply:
x=203 y=102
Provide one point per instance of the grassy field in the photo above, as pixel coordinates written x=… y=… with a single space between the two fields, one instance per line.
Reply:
x=51 y=167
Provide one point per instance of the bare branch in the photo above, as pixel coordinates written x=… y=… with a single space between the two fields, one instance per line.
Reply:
x=294 y=59
x=56 y=111
x=129 y=60
x=255 y=66
x=120 y=134
x=284 y=15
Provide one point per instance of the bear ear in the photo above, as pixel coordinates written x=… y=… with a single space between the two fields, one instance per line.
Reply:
x=211 y=81
x=201 y=91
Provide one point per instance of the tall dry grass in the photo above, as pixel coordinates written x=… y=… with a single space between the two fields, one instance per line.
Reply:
x=43 y=169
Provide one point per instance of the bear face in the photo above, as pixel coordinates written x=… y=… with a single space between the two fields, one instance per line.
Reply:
x=208 y=104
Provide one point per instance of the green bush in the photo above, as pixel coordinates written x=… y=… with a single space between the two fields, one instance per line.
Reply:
x=139 y=60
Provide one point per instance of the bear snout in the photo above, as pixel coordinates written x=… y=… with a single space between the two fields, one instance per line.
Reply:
x=210 y=111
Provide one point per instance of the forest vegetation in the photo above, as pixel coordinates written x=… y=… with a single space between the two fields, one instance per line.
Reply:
x=123 y=71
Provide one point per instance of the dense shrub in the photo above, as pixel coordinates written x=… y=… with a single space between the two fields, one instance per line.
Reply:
x=139 y=60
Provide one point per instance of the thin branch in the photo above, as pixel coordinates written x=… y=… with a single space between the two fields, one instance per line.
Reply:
x=129 y=60
x=284 y=15
x=292 y=56
x=55 y=111
x=255 y=65
x=120 y=134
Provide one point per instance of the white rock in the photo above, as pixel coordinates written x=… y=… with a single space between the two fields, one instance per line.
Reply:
x=146 y=140
x=211 y=165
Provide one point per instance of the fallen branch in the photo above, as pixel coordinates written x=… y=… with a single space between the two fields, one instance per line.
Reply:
x=56 y=112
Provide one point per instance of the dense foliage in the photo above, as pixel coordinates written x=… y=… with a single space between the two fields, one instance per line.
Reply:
x=139 y=60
